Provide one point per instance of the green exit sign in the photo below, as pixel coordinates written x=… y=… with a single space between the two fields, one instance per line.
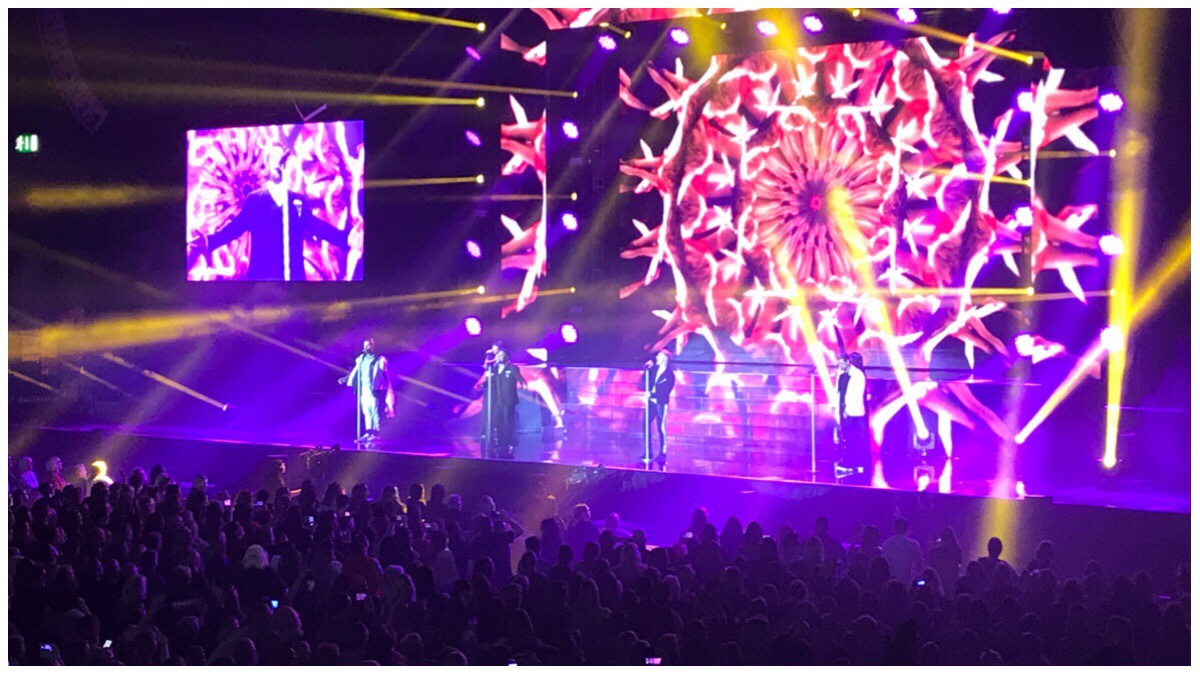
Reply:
x=27 y=143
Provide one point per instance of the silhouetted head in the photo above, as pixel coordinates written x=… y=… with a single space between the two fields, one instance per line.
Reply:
x=994 y=547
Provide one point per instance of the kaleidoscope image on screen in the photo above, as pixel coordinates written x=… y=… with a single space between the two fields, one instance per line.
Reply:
x=801 y=191
x=276 y=203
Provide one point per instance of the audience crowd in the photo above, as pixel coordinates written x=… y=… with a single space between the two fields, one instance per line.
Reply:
x=145 y=571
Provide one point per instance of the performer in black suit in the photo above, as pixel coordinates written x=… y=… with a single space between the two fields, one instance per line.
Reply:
x=661 y=378
x=279 y=221
x=505 y=381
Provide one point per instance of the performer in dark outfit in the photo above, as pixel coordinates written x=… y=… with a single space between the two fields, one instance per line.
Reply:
x=279 y=221
x=662 y=381
x=852 y=418
x=506 y=378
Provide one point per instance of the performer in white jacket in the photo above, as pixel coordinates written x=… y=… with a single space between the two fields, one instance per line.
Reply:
x=373 y=387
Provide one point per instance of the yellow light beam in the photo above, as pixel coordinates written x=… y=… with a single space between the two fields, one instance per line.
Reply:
x=1069 y=154
x=1169 y=271
x=487 y=300
x=1000 y=519
x=229 y=70
x=1045 y=297
x=930 y=31
x=840 y=206
x=430 y=199
x=414 y=17
x=112 y=333
x=1141 y=30
x=1025 y=294
x=342 y=369
x=808 y=329
x=76 y=368
x=121 y=362
x=60 y=340
x=138 y=91
x=28 y=245
x=93 y=197
x=146 y=406
x=51 y=341
x=1068 y=385
x=978 y=177
x=30 y=380
x=163 y=380
x=417 y=182
x=473 y=86
x=158 y=294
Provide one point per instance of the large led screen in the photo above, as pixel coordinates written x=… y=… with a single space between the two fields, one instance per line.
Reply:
x=276 y=203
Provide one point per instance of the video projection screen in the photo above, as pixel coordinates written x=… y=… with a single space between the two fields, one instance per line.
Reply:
x=276 y=203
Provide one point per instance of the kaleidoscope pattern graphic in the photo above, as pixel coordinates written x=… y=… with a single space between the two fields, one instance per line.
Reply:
x=847 y=189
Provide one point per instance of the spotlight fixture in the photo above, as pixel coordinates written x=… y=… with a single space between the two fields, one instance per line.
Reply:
x=473 y=249
x=1002 y=10
x=1112 y=245
x=679 y=36
x=570 y=222
x=570 y=334
x=1111 y=101
x=479 y=102
x=813 y=23
x=474 y=53
x=1024 y=216
x=1025 y=101
x=906 y=15
x=1025 y=344
x=607 y=42
x=767 y=27
x=473 y=138
x=479 y=179
x=481 y=27
x=1112 y=340
x=473 y=325
x=570 y=130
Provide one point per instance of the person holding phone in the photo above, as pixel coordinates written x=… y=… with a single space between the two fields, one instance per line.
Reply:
x=364 y=571
x=255 y=578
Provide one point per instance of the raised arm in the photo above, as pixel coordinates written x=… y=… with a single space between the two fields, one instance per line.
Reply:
x=348 y=380
x=235 y=226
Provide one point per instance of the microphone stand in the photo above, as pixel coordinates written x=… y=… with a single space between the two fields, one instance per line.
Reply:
x=489 y=369
x=646 y=425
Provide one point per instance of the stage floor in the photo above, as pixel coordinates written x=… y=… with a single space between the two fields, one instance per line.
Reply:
x=560 y=450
